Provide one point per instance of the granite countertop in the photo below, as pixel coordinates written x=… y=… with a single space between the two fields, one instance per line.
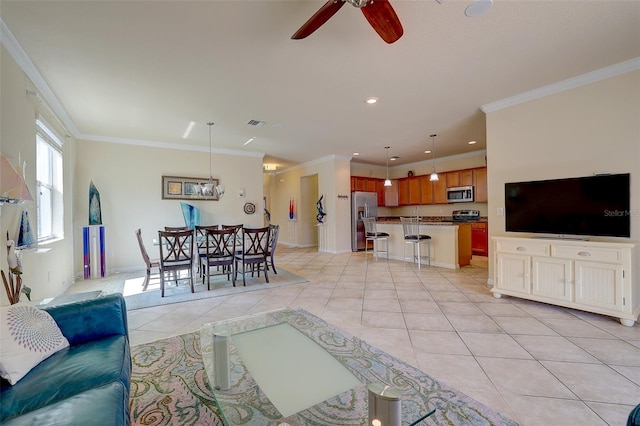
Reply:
x=426 y=220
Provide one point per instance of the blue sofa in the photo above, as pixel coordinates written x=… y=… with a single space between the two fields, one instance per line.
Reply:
x=86 y=383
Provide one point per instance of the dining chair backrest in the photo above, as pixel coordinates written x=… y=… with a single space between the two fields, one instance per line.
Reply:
x=274 y=230
x=176 y=228
x=201 y=237
x=255 y=241
x=176 y=248
x=143 y=250
x=221 y=244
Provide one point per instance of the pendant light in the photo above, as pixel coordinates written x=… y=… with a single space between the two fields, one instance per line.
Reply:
x=209 y=188
x=434 y=176
x=387 y=181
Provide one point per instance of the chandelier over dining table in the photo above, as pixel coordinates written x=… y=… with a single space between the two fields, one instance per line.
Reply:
x=210 y=188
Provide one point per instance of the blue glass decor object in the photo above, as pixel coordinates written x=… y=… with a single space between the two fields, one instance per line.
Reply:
x=25 y=235
x=95 y=211
x=191 y=215
x=321 y=214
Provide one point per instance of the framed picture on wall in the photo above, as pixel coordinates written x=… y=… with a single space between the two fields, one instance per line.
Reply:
x=187 y=188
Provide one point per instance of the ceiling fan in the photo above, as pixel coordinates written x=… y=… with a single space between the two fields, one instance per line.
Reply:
x=379 y=13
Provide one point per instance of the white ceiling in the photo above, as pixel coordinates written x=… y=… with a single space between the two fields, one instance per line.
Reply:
x=141 y=71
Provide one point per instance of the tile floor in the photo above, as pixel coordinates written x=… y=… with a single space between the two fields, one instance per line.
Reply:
x=536 y=363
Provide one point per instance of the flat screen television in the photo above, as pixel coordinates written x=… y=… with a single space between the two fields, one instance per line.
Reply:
x=586 y=206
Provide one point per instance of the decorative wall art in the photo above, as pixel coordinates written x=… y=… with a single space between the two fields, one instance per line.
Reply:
x=95 y=210
x=187 y=188
x=25 y=234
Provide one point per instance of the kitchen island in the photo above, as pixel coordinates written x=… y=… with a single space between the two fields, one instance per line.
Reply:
x=450 y=241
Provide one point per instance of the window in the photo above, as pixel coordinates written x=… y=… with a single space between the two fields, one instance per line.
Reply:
x=50 y=205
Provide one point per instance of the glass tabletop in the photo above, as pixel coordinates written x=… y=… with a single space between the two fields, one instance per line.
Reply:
x=290 y=367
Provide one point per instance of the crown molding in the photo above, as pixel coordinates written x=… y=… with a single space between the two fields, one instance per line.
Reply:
x=18 y=54
x=568 y=84
x=162 y=145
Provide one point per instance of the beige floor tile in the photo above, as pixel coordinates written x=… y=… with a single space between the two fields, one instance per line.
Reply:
x=437 y=342
x=523 y=325
x=460 y=308
x=575 y=328
x=554 y=348
x=382 y=305
x=542 y=411
x=448 y=296
x=352 y=293
x=524 y=377
x=459 y=371
x=631 y=373
x=610 y=351
x=380 y=294
x=424 y=306
x=595 y=382
x=414 y=295
x=349 y=304
x=474 y=323
x=613 y=414
x=494 y=345
x=437 y=322
x=502 y=310
x=377 y=319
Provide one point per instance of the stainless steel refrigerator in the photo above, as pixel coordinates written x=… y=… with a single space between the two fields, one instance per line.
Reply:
x=363 y=204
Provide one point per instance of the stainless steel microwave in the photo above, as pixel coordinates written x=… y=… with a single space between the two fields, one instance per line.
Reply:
x=460 y=194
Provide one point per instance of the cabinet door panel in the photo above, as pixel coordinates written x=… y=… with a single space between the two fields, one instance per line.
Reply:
x=370 y=185
x=552 y=278
x=466 y=177
x=599 y=284
x=403 y=192
x=514 y=273
x=480 y=185
x=426 y=190
x=414 y=191
x=440 y=191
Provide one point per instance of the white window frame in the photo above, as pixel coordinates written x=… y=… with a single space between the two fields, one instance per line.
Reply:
x=49 y=183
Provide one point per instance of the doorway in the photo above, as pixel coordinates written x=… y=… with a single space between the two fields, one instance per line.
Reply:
x=307 y=211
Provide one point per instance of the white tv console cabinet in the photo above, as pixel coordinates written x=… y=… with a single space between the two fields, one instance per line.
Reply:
x=590 y=276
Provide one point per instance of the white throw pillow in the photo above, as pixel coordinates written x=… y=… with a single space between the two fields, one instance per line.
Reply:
x=28 y=336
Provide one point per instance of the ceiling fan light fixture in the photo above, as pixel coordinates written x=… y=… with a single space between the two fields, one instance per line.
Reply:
x=478 y=7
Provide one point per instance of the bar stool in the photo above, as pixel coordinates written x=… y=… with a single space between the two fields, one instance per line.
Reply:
x=411 y=229
x=372 y=234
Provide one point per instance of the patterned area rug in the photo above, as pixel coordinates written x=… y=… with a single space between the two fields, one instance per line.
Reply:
x=169 y=385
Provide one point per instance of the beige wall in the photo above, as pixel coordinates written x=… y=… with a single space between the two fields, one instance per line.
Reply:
x=129 y=181
x=333 y=176
x=46 y=273
x=590 y=129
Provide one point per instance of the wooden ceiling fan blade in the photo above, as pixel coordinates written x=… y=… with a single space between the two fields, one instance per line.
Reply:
x=320 y=17
x=384 y=20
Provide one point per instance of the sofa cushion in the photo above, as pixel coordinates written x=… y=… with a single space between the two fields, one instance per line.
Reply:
x=105 y=406
x=28 y=336
x=67 y=373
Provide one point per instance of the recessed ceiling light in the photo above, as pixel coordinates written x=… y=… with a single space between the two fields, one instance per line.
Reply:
x=428 y=151
x=250 y=140
x=356 y=154
x=394 y=158
x=372 y=100
x=478 y=7
x=472 y=142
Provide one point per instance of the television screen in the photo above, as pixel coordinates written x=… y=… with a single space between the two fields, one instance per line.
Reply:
x=594 y=205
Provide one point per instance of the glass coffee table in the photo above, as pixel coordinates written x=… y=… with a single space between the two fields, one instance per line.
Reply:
x=290 y=367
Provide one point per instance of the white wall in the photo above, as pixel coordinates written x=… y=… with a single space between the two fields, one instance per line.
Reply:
x=47 y=274
x=129 y=181
x=578 y=132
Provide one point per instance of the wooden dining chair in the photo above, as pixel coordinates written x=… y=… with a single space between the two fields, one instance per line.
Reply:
x=150 y=263
x=176 y=254
x=255 y=244
x=273 y=242
x=220 y=252
x=201 y=245
x=176 y=228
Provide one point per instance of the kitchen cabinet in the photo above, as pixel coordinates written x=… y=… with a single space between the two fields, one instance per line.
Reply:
x=480 y=184
x=414 y=191
x=590 y=276
x=391 y=194
x=440 y=190
x=459 y=178
x=479 y=238
x=379 y=184
x=426 y=190
x=403 y=191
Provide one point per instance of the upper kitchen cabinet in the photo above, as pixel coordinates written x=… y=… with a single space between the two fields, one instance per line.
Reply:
x=380 y=190
x=440 y=189
x=480 y=184
x=390 y=194
x=403 y=191
x=414 y=191
x=459 y=178
x=426 y=190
